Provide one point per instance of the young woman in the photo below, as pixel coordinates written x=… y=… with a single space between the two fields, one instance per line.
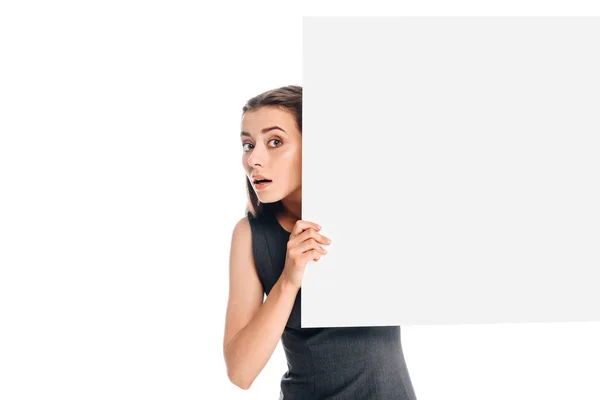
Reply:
x=270 y=248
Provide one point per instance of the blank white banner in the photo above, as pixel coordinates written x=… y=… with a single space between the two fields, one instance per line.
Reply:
x=454 y=163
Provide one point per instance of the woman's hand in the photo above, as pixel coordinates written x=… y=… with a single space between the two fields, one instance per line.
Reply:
x=302 y=246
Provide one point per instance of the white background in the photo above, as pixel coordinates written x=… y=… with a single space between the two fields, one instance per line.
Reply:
x=121 y=182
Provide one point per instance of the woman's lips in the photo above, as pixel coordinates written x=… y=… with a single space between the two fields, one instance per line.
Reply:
x=261 y=186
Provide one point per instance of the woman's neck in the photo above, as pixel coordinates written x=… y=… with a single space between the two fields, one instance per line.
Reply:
x=292 y=204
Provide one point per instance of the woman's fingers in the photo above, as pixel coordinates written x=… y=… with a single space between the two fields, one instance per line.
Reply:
x=302 y=225
x=311 y=233
x=311 y=244
x=307 y=240
x=312 y=254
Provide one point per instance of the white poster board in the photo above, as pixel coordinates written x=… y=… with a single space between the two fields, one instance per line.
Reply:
x=455 y=163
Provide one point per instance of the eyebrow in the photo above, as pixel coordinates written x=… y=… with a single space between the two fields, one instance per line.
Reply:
x=265 y=130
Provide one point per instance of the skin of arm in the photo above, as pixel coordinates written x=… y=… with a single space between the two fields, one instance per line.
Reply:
x=252 y=328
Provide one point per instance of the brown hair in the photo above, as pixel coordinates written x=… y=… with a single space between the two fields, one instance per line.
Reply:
x=288 y=98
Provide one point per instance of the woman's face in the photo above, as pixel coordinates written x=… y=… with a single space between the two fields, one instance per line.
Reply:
x=272 y=147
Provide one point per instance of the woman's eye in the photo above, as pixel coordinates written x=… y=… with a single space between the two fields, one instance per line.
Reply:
x=246 y=148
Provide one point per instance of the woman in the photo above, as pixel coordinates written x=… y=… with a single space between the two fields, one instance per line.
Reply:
x=270 y=248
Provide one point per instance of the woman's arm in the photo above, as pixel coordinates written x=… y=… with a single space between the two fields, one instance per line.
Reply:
x=252 y=328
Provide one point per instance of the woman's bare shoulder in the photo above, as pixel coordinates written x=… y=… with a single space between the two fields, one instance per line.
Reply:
x=241 y=238
x=245 y=289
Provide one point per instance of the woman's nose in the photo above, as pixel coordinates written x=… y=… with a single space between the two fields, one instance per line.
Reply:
x=257 y=156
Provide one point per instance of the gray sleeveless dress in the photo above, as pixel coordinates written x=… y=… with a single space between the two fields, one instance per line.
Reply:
x=346 y=363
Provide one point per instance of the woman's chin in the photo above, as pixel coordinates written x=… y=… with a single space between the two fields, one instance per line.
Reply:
x=268 y=199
